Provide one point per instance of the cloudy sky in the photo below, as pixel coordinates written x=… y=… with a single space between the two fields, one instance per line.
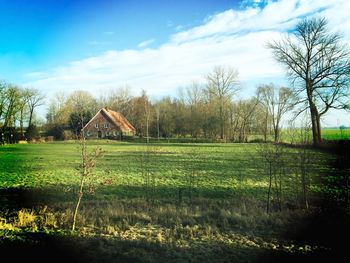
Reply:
x=157 y=46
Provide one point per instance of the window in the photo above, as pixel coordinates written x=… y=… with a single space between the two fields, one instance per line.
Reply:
x=106 y=125
x=96 y=125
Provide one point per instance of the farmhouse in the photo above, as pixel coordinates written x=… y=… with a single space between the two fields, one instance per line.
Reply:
x=108 y=124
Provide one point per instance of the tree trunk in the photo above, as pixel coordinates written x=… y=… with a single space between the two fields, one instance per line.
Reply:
x=21 y=124
x=318 y=120
x=80 y=195
x=30 y=116
x=265 y=126
x=222 y=122
x=276 y=131
x=269 y=190
x=314 y=124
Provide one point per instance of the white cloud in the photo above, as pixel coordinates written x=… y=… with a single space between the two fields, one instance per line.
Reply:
x=234 y=38
x=145 y=43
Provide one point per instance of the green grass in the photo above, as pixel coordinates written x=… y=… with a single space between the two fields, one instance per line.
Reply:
x=336 y=134
x=166 y=201
x=216 y=170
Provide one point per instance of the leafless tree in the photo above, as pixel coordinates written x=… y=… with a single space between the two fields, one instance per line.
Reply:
x=35 y=99
x=222 y=85
x=302 y=159
x=12 y=104
x=147 y=109
x=243 y=115
x=88 y=163
x=274 y=160
x=277 y=102
x=195 y=108
x=157 y=110
x=118 y=100
x=23 y=101
x=318 y=66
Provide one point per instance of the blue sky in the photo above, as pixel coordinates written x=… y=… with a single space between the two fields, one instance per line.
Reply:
x=157 y=46
x=37 y=34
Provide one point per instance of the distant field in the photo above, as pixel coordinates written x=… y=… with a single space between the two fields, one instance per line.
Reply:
x=336 y=134
x=169 y=201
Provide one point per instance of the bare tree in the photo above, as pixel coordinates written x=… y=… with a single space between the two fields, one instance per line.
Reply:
x=194 y=103
x=157 y=109
x=35 y=99
x=88 y=163
x=274 y=160
x=118 y=100
x=318 y=65
x=243 y=114
x=277 y=102
x=23 y=101
x=12 y=95
x=3 y=88
x=303 y=159
x=147 y=109
x=222 y=85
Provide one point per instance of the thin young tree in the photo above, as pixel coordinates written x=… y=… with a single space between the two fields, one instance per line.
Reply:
x=302 y=159
x=88 y=163
x=273 y=158
x=318 y=65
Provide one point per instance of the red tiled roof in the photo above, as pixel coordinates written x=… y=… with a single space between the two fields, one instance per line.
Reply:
x=116 y=118
x=119 y=120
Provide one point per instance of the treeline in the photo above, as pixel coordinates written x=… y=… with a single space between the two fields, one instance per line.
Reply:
x=17 y=107
x=210 y=110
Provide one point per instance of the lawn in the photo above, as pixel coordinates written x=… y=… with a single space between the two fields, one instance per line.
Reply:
x=158 y=202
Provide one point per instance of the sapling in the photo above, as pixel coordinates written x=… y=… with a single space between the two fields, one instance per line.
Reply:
x=88 y=163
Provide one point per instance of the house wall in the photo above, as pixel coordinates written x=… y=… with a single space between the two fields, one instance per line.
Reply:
x=92 y=132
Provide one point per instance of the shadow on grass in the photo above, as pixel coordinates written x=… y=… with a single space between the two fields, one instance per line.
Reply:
x=27 y=198
x=40 y=247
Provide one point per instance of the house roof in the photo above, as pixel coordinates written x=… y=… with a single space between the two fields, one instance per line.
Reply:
x=116 y=118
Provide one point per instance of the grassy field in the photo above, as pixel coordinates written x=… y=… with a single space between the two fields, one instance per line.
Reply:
x=158 y=202
x=336 y=134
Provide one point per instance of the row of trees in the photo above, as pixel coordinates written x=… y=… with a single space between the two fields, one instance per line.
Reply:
x=17 y=107
x=211 y=110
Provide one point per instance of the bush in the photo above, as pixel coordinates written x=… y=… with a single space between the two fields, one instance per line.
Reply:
x=32 y=132
x=67 y=135
x=56 y=131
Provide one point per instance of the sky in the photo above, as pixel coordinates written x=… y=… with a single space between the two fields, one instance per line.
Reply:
x=154 y=45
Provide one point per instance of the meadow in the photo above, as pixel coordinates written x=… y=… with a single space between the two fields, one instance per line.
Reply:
x=154 y=202
x=336 y=134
